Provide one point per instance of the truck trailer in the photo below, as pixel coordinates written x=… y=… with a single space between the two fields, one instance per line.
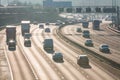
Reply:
x=96 y=24
x=25 y=27
x=85 y=24
x=48 y=45
x=11 y=37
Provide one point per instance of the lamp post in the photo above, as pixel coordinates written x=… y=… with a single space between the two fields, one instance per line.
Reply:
x=0 y=2
x=114 y=7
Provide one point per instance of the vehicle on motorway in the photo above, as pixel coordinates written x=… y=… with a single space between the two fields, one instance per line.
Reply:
x=48 y=44
x=11 y=37
x=47 y=30
x=96 y=24
x=88 y=42
x=57 y=56
x=25 y=27
x=78 y=29
x=12 y=45
x=47 y=23
x=41 y=26
x=83 y=60
x=104 y=48
x=35 y=22
x=86 y=33
x=58 y=22
x=70 y=21
x=85 y=24
x=27 y=42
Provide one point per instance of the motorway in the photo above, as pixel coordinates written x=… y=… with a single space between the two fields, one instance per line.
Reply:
x=34 y=63
x=102 y=36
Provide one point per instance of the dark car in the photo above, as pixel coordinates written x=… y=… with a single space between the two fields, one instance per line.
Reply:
x=47 y=23
x=47 y=29
x=89 y=42
x=82 y=60
x=57 y=56
x=78 y=30
x=41 y=26
x=104 y=48
x=27 y=43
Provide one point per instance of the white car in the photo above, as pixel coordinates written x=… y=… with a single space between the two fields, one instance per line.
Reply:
x=89 y=42
x=104 y=48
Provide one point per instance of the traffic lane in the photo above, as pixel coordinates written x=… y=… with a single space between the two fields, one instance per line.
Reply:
x=40 y=63
x=69 y=53
x=17 y=62
x=64 y=67
x=81 y=40
x=19 y=65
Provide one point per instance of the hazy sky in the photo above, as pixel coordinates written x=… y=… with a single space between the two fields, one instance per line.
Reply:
x=75 y=2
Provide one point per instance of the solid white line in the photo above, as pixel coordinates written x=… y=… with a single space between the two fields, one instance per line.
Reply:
x=9 y=66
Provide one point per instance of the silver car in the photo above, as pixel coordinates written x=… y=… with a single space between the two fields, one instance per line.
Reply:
x=83 y=60
x=104 y=48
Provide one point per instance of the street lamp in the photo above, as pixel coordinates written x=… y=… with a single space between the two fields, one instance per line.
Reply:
x=114 y=7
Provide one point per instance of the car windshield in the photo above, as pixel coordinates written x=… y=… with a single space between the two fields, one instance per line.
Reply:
x=90 y=41
x=58 y=54
x=85 y=31
x=105 y=46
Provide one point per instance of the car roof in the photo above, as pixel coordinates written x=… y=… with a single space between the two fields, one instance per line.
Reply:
x=85 y=30
x=82 y=56
x=104 y=45
x=58 y=53
x=89 y=39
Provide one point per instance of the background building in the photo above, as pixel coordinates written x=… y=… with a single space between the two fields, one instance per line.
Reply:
x=51 y=3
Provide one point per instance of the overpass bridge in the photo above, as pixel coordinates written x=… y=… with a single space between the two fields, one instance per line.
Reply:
x=88 y=9
x=113 y=10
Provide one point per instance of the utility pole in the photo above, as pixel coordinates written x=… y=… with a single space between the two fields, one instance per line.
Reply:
x=0 y=2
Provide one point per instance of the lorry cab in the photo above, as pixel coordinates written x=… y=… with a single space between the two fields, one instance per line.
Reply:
x=12 y=45
x=47 y=30
x=27 y=42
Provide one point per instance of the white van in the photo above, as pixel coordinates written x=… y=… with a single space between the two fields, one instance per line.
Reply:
x=82 y=60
